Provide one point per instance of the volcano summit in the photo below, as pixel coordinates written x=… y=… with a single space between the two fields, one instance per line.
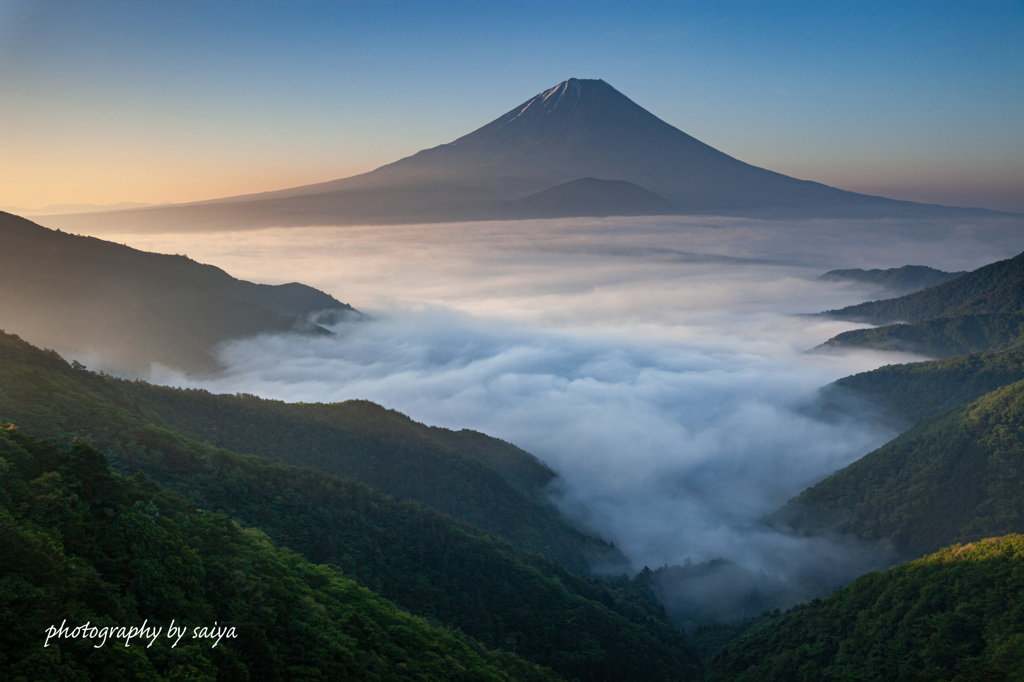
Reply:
x=581 y=148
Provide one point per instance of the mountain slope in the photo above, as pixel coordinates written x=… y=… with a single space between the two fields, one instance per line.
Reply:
x=994 y=288
x=81 y=545
x=586 y=128
x=390 y=452
x=907 y=393
x=980 y=311
x=951 y=478
x=93 y=298
x=358 y=440
x=580 y=128
x=437 y=568
x=955 y=615
x=942 y=337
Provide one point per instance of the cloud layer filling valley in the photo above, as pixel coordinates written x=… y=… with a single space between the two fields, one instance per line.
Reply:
x=657 y=365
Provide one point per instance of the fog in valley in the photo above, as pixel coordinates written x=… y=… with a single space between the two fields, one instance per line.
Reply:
x=658 y=365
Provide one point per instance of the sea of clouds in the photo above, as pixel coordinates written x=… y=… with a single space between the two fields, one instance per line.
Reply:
x=658 y=365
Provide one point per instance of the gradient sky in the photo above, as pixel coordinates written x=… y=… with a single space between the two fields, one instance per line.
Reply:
x=134 y=101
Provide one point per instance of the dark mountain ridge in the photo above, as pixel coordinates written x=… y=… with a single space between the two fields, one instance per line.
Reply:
x=94 y=298
x=581 y=128
x=994 y=288
x=941 y=337
x=588 y=197
x=898 y=281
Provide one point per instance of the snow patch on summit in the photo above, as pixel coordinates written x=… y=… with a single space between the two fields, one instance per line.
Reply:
x=523 y=110
x=544 y=97
x=572 y=87
x=565 y=90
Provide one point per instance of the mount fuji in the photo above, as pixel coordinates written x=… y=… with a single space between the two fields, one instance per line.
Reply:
x=581 y=148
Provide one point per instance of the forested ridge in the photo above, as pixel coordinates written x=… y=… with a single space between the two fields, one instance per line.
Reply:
x=486 y=482
x=958 y=473
x=955 y=477
x=82 y=545
x=449 y=572
x=357 y=439
x=955 y=615
x=940 y=337
x=994 y=288
x=907 y=393
x=980 y=311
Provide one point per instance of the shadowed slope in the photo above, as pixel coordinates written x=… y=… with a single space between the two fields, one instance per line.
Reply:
x=93 y=298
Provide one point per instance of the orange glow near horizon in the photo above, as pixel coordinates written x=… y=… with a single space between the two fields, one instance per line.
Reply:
x=35 y=185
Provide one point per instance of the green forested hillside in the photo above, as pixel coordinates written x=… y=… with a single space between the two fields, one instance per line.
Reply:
x=86 y=295
x=980 y=311
x=941 y=337
x=359 y=440
x=952 y=478
x=905 y=394
x=994 y=288
x=521 y=469
x=484 y=481
x=419 y=558
x=80 y=545
x=955 y=615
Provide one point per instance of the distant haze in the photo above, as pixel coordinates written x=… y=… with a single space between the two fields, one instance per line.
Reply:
x=655 y=363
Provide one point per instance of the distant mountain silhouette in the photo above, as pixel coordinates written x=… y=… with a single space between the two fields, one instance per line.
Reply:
x=896 y=281
x=588 y=197
x=994 y=288
x=92 y=298
x=576 y=130
x=976 y=312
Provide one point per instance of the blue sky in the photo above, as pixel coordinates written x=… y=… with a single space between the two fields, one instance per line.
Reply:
x=106 y=101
